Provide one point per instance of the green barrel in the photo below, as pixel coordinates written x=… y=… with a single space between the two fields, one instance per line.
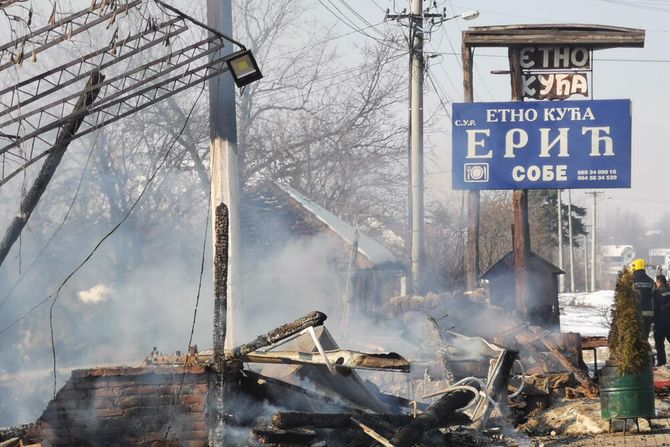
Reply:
x=626 y=396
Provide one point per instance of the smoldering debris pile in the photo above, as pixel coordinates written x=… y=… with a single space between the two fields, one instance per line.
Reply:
x=295 y=386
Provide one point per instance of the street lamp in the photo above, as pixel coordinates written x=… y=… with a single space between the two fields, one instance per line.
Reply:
x=469 y=15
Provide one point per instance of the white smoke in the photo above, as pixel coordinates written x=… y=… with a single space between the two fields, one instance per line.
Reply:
x=95 y=294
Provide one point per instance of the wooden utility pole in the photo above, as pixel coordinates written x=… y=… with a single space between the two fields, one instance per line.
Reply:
x=571 y=251
x=520 y=201
x=224 y=168
x=559 y=205
x=225 y=218
x=473 y=196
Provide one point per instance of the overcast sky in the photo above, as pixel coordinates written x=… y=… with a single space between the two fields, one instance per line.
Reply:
x=640 y=74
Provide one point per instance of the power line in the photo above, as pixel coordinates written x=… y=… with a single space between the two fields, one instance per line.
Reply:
x=444 y=106
x=476 y=67
x=109 y=233
x=195 y=314
x=106 y=236
x=321 y=42
x=660 y=6
x=360 y=17
x=372 y=66
x=60 y=226
x=346 y=21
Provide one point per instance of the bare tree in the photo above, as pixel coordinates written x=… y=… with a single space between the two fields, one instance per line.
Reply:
x=334 y=134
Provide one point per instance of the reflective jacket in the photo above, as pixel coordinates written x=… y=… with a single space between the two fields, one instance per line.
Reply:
x=645 y=285
x=662 y=304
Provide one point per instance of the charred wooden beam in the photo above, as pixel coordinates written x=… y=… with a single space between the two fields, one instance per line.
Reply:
x=259 y=378
x=340 y=357
x=272 y=435
x=287 y=330
x=590 y=388
x=440 y=414
x=288 y=420
x=65 y=135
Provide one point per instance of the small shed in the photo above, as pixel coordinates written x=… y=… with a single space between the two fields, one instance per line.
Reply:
x=542 y=283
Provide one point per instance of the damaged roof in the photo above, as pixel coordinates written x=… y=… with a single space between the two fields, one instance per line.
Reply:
x=304 y=217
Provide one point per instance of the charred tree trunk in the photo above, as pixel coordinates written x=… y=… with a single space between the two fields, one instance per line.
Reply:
x=67 y=132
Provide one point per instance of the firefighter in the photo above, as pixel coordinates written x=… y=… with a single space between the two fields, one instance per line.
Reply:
x=645 y=286
x=661 y=298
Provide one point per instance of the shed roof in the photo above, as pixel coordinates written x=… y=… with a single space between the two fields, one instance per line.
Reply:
x=303 y=217
x=535 y=261
x=374 y=251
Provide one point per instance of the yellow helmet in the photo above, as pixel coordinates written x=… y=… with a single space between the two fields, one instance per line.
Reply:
x=637 y=264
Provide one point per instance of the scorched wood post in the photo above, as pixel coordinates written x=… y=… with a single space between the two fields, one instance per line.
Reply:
x=473 y=196
x=224 y=161
x=225 y=217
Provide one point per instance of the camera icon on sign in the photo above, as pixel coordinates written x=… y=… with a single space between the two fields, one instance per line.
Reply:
x=476 y=172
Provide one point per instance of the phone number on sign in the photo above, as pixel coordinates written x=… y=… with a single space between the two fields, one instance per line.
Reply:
x=596 y=174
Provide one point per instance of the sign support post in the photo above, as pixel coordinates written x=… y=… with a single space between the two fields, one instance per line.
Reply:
x=473 y=195
x=520 y=201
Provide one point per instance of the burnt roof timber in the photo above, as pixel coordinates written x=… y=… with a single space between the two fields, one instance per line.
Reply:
x=594 y=36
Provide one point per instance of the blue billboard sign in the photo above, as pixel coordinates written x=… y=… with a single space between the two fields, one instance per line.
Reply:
x=542 y=144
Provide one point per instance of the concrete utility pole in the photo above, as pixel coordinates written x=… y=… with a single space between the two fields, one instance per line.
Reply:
x=416 y=18
x=594 y=195
x=224 y=168
x=586 y=265
x=561 y=278
x=418 y=252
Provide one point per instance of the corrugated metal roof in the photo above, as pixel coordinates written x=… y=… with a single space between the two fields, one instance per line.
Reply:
x=374 y=251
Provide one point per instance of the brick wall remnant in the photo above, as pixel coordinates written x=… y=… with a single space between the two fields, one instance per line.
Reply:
x=129 y=406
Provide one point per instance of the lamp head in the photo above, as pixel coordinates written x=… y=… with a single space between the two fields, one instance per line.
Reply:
x=244 y=68
x=470 y=15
